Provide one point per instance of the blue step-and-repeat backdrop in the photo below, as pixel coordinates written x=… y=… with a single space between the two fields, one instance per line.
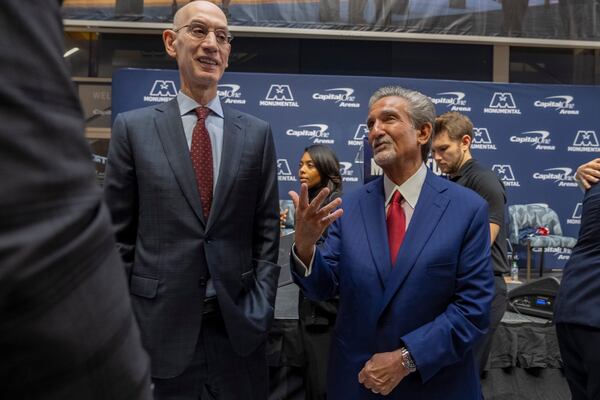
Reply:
x=532 y=136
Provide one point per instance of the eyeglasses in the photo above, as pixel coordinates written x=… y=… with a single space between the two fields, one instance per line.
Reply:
x=200 y=32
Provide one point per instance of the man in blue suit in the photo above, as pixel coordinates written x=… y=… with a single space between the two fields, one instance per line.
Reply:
x=408 y=317
x=576 y=311
x=192 y=189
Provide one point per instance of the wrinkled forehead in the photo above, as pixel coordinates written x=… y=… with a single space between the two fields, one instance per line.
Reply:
x=389 y=104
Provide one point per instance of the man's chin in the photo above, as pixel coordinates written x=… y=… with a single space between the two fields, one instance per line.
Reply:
x=383 y=160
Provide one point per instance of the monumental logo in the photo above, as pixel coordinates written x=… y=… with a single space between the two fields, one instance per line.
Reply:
x=230 y=93
x=284 y=173
x=506 y=175
x=563 y=104
x=347 y=172
x=561 y=253
x=502 y=103
x=318 y=133
x=361 y=132
x=559 y=175
x=585 y=141
x=161 y=92
x=455 y=101
x=341 y=96
x=576 y=217
x=279 y=96
x=482 y=140
x=539 y=139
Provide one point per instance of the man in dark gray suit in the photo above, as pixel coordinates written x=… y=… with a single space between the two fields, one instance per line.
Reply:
x=576 y=308
x=67 y=330
x=192 y=189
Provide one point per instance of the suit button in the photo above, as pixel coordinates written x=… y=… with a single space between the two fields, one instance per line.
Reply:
x=208 y=240
x=202 y=282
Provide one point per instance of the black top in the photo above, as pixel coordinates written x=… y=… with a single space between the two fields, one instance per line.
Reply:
x=486 y=183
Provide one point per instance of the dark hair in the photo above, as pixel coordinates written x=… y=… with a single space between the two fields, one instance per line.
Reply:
x=455 y=124
x=328 y=166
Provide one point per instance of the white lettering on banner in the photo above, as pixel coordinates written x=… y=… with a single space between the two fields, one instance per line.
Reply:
x=230 y=93
x=284 y=173
x=482 y=140
x=359 y=135
x=576 y=218
x=279 y=96
x=347 y=172
x=506 y=175
x=502 y=103
x=563 y=104
x=453 y=100
x=539 y=139
x=560 y=175
x=317 y=132
x=585 y=141
x=161 y=91
x=561 y=253
x=342 y=96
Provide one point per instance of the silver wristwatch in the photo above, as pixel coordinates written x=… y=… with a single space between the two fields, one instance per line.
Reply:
x=407 y=360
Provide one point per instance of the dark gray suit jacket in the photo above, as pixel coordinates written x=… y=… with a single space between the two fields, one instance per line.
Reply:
x=167 y=243
x=67 y=330
x=578 y=298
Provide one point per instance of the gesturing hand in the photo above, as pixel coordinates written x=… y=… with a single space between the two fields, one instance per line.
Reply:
x=589 y=173
x=312 y=219
x=383 y=372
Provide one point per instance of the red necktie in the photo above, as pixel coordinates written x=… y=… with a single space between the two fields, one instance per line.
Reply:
x=202 y=161
x=396 y=225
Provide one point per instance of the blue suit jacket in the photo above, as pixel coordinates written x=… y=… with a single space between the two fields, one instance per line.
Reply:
x=578 y=299
x=435 y=300
x=166 y=242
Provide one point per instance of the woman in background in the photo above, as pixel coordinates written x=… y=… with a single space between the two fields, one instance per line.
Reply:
x=318 y=168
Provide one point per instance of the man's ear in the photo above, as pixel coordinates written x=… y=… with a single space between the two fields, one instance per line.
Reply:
x=169 y=39
x=424 y=133
x=465 y=141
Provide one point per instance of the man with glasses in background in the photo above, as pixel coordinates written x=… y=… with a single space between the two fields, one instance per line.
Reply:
x=199 y=236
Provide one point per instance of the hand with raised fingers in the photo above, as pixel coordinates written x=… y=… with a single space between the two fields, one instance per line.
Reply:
x=589 y=173
x=312 y=218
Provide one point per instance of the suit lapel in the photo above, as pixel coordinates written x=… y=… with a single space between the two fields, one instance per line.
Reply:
x=171 y=134
x=430 y=208
x=373 y=213
x=233 y=143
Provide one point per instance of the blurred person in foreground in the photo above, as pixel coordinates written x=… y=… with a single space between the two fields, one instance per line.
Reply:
x=409 y=257
x=192 y=189
x=451 y=150
x=67 y=330
x=576 y=308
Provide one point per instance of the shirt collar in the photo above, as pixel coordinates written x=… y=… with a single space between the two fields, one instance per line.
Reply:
x=410 y=189
x=187 y=104
x=463 y=170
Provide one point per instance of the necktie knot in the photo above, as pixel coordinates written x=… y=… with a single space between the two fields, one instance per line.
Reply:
x=397 y=197
x=202 y=112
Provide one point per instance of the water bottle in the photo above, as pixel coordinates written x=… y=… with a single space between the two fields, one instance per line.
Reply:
x=514 y=271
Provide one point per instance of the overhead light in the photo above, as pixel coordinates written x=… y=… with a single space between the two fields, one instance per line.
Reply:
x=71 y=52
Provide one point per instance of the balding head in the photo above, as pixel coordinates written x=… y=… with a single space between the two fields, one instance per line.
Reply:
x=183 y=14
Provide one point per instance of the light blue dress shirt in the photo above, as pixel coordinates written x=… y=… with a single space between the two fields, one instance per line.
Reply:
x=214 y=124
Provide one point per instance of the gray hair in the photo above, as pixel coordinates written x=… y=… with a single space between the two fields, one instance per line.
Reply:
x=420 y=110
